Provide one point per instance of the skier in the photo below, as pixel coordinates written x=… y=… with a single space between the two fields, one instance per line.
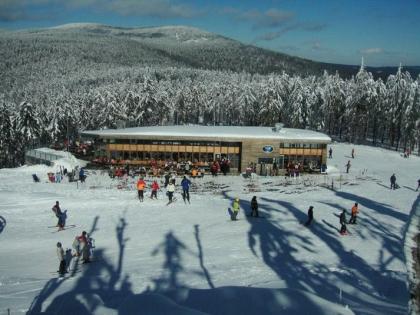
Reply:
x=61 y=259
x=330 y=153
x=187 y=167
x=354 y=212
x=84 y=247
x=185 y=183
x=82 y=175
x=352 y=153
x=167 y=177
x=393 y=181
x=310 y=216
x=76 y=246
x=348 y=165
x=418 y=185
x=235 y=207
x=155 y=187
x=61 y=216
x=343 y=222
x=140 y=188
x=170 y=190
x=254 y=207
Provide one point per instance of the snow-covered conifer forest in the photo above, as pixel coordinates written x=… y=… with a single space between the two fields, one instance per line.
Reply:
x=56 y=82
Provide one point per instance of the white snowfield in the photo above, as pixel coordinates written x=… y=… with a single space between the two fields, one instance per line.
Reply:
x=191 y=259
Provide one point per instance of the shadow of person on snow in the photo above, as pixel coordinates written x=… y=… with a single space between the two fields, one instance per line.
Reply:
x=2 y=223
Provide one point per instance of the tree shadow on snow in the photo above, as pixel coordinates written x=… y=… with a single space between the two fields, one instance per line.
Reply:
x=363 y=287
x=171 y=295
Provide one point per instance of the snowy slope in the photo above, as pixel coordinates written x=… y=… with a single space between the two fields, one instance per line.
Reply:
x=191 y=259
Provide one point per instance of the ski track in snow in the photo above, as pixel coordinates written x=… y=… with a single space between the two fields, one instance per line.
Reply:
x=148 y=250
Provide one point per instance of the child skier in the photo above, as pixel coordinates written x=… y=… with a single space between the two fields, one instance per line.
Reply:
x=61 y=259
x=155 y=188
x=254 y=207
x=76 y=247
x=185 y=183
x=170 y=190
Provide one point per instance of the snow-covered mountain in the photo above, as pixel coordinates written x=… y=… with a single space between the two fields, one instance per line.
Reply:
x=165 y=45
x=168 y=45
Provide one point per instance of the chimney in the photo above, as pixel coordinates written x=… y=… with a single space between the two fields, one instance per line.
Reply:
x=278 y=127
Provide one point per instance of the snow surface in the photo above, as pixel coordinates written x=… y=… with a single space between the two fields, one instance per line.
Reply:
x=191 y=259
x=221 y=132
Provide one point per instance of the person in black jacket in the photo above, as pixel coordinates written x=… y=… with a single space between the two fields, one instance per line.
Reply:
x=310 y=216
x=254 y=207
x=393 y=181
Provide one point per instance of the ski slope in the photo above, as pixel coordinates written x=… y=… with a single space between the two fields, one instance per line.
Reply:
x=191 y=259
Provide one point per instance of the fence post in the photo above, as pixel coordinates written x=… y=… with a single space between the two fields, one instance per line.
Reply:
x=8 y=311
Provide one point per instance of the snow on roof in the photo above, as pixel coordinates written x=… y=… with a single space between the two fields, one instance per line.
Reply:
x=216 y=132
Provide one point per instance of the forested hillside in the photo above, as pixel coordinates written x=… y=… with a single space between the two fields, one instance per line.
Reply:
x=67 y=79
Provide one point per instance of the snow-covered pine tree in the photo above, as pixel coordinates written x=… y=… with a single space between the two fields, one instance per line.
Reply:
x=398 y=87
x=28 y=128
x=6 y=139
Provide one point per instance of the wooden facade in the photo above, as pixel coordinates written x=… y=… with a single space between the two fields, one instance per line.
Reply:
x=243 y=147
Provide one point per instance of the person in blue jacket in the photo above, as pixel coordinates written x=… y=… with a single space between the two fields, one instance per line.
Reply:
x=186 y=183
x=82 y=175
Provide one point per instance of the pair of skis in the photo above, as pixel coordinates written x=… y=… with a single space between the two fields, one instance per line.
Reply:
x=71 y=226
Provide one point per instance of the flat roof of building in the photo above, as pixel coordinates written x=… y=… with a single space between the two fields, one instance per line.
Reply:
x=212 y=132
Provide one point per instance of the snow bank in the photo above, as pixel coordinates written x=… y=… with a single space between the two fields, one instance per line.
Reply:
x=410 y=249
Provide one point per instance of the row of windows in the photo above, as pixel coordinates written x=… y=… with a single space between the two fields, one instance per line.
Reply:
x=181 y=142
x=303 y=145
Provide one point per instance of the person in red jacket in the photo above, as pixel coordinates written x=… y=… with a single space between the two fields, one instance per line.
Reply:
x=155 y=187
x=140 y=188
x=84 y=247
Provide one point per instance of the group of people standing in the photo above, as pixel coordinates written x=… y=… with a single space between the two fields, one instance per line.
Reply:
x=353 y=218
x=169 y=186
x=81 y=245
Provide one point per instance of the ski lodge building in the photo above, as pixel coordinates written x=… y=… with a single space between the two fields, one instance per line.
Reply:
x=261 y=147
